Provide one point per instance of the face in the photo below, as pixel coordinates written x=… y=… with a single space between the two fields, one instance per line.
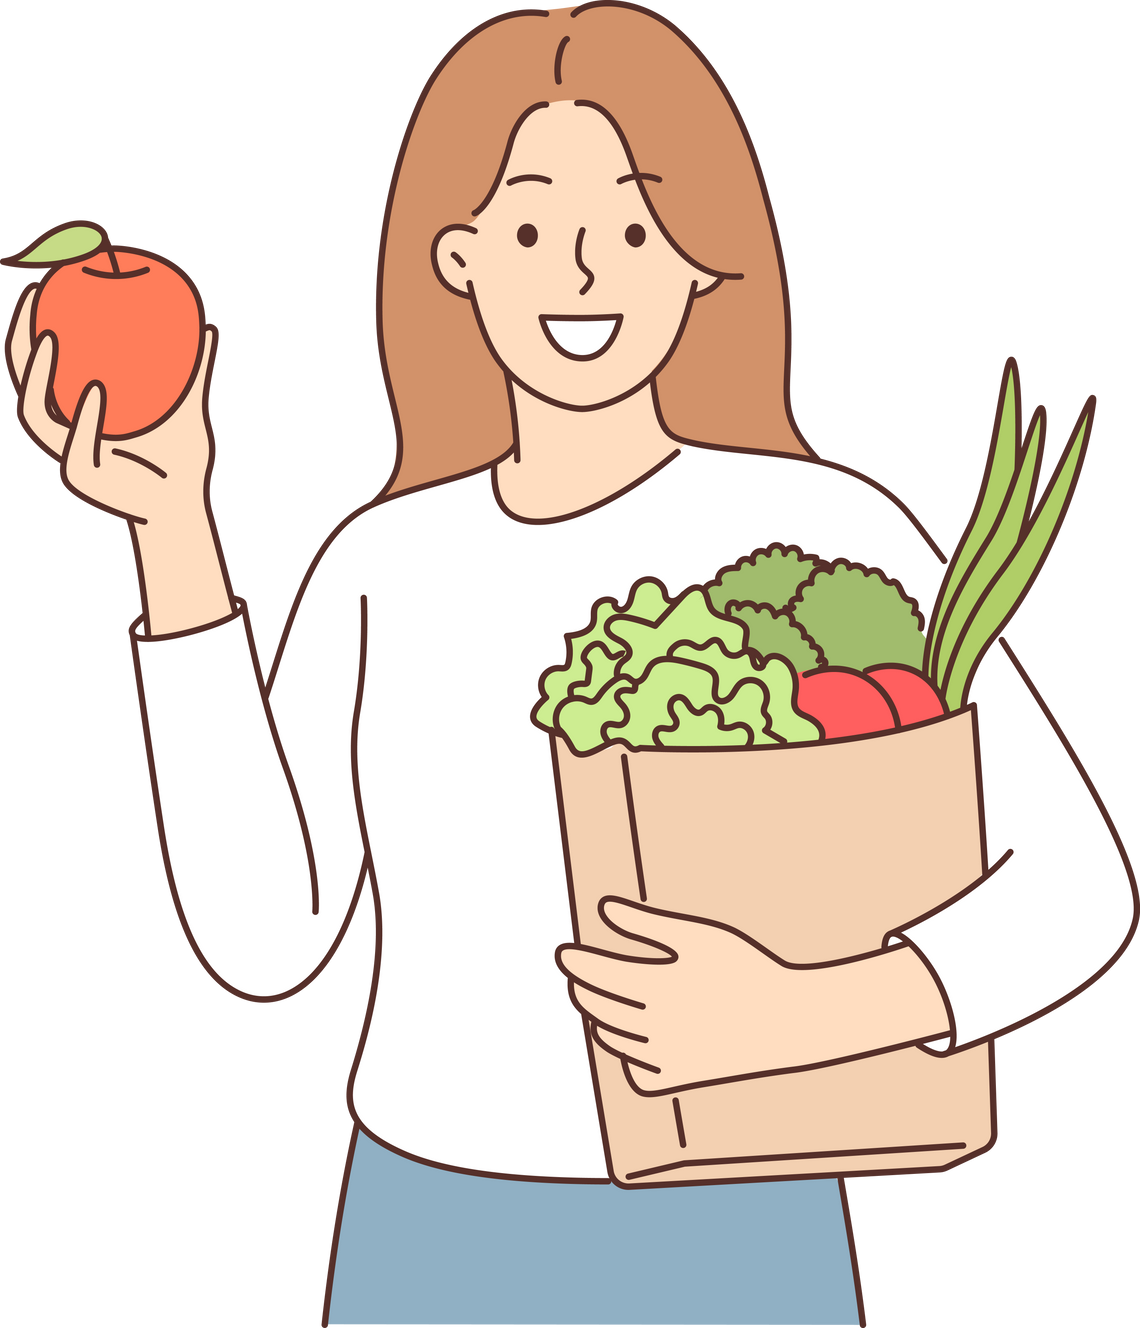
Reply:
x=579 y=294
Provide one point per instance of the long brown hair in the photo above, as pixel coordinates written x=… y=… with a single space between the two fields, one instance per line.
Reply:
x=727 y=382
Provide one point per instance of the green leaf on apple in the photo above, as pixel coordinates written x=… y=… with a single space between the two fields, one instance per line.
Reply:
x=63 y=244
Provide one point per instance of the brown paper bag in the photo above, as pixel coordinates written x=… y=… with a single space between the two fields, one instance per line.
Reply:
x=817 y=851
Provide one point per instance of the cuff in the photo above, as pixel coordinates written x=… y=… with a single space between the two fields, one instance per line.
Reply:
x=139 y=636
x=204 y=671
x=941 y=1046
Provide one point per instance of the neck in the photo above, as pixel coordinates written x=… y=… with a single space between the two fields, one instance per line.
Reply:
x=568 y=460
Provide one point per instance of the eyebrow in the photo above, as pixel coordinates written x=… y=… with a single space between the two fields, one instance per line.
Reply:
x=541 y=179
x=638 y=175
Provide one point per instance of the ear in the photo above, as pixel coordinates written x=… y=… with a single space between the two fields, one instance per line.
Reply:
x=451 y=256
x=706 y=283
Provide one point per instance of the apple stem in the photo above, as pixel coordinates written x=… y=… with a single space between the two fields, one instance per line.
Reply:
x=111 y=256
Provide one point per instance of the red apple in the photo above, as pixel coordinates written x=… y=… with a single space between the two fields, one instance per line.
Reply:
x=128 y=319
x=914 y=696
x=845 y=702
x=125 y=317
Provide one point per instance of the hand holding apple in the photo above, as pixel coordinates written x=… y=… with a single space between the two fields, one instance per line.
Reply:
x=123 y=317
x=161 y=472
x=87 y=401
x=112 y=345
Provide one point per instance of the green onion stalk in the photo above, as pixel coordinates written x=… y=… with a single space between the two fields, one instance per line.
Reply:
x=1005 y=543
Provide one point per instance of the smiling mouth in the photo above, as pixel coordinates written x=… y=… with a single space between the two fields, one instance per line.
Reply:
x=580 y=336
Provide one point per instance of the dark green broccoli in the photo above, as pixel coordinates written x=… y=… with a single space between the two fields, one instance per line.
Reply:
x=768 y=576
x=858 y=618
x=776 y=632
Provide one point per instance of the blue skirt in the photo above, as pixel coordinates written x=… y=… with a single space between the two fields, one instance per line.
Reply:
x=419 y=1244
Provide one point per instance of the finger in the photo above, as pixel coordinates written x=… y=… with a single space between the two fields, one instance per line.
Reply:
x=623 y=1046
x=32 y=410
x=651 y=926
x=18 y=347
x=199 y=391
x=618 y=1016
x=611 y=975
x=88 y=469
x=81 y=452
x=646 y=1078
x=670 y=932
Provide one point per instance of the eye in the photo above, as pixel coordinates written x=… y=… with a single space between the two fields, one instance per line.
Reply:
x=528 y=235
x=634 y=235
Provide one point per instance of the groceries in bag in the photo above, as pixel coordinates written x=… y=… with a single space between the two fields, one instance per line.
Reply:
x=695 y=740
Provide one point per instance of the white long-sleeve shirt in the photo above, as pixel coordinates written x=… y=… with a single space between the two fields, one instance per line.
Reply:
x=402 y=706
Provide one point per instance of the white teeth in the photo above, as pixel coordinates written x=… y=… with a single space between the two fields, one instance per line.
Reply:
x=580 y=336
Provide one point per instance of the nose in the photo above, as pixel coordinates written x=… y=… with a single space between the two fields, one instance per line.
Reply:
x=578 y=259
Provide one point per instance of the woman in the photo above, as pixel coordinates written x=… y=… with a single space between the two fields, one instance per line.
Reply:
x=580 y=294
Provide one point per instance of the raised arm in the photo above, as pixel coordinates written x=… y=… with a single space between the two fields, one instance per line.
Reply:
x=158 y=482
x=263 y=892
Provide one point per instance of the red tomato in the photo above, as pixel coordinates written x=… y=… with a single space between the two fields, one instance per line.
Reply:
x=844 y=702
x=913 y=695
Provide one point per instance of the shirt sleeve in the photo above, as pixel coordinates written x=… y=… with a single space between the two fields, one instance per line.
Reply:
x=256 y=804
x=1051 y=916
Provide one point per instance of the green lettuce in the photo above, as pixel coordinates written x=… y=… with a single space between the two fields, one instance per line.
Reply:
x=668 y=673
x=585 y=671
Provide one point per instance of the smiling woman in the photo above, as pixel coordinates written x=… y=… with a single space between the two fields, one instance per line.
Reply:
x=620 y=114
x=579 y=281
x=584 y=327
